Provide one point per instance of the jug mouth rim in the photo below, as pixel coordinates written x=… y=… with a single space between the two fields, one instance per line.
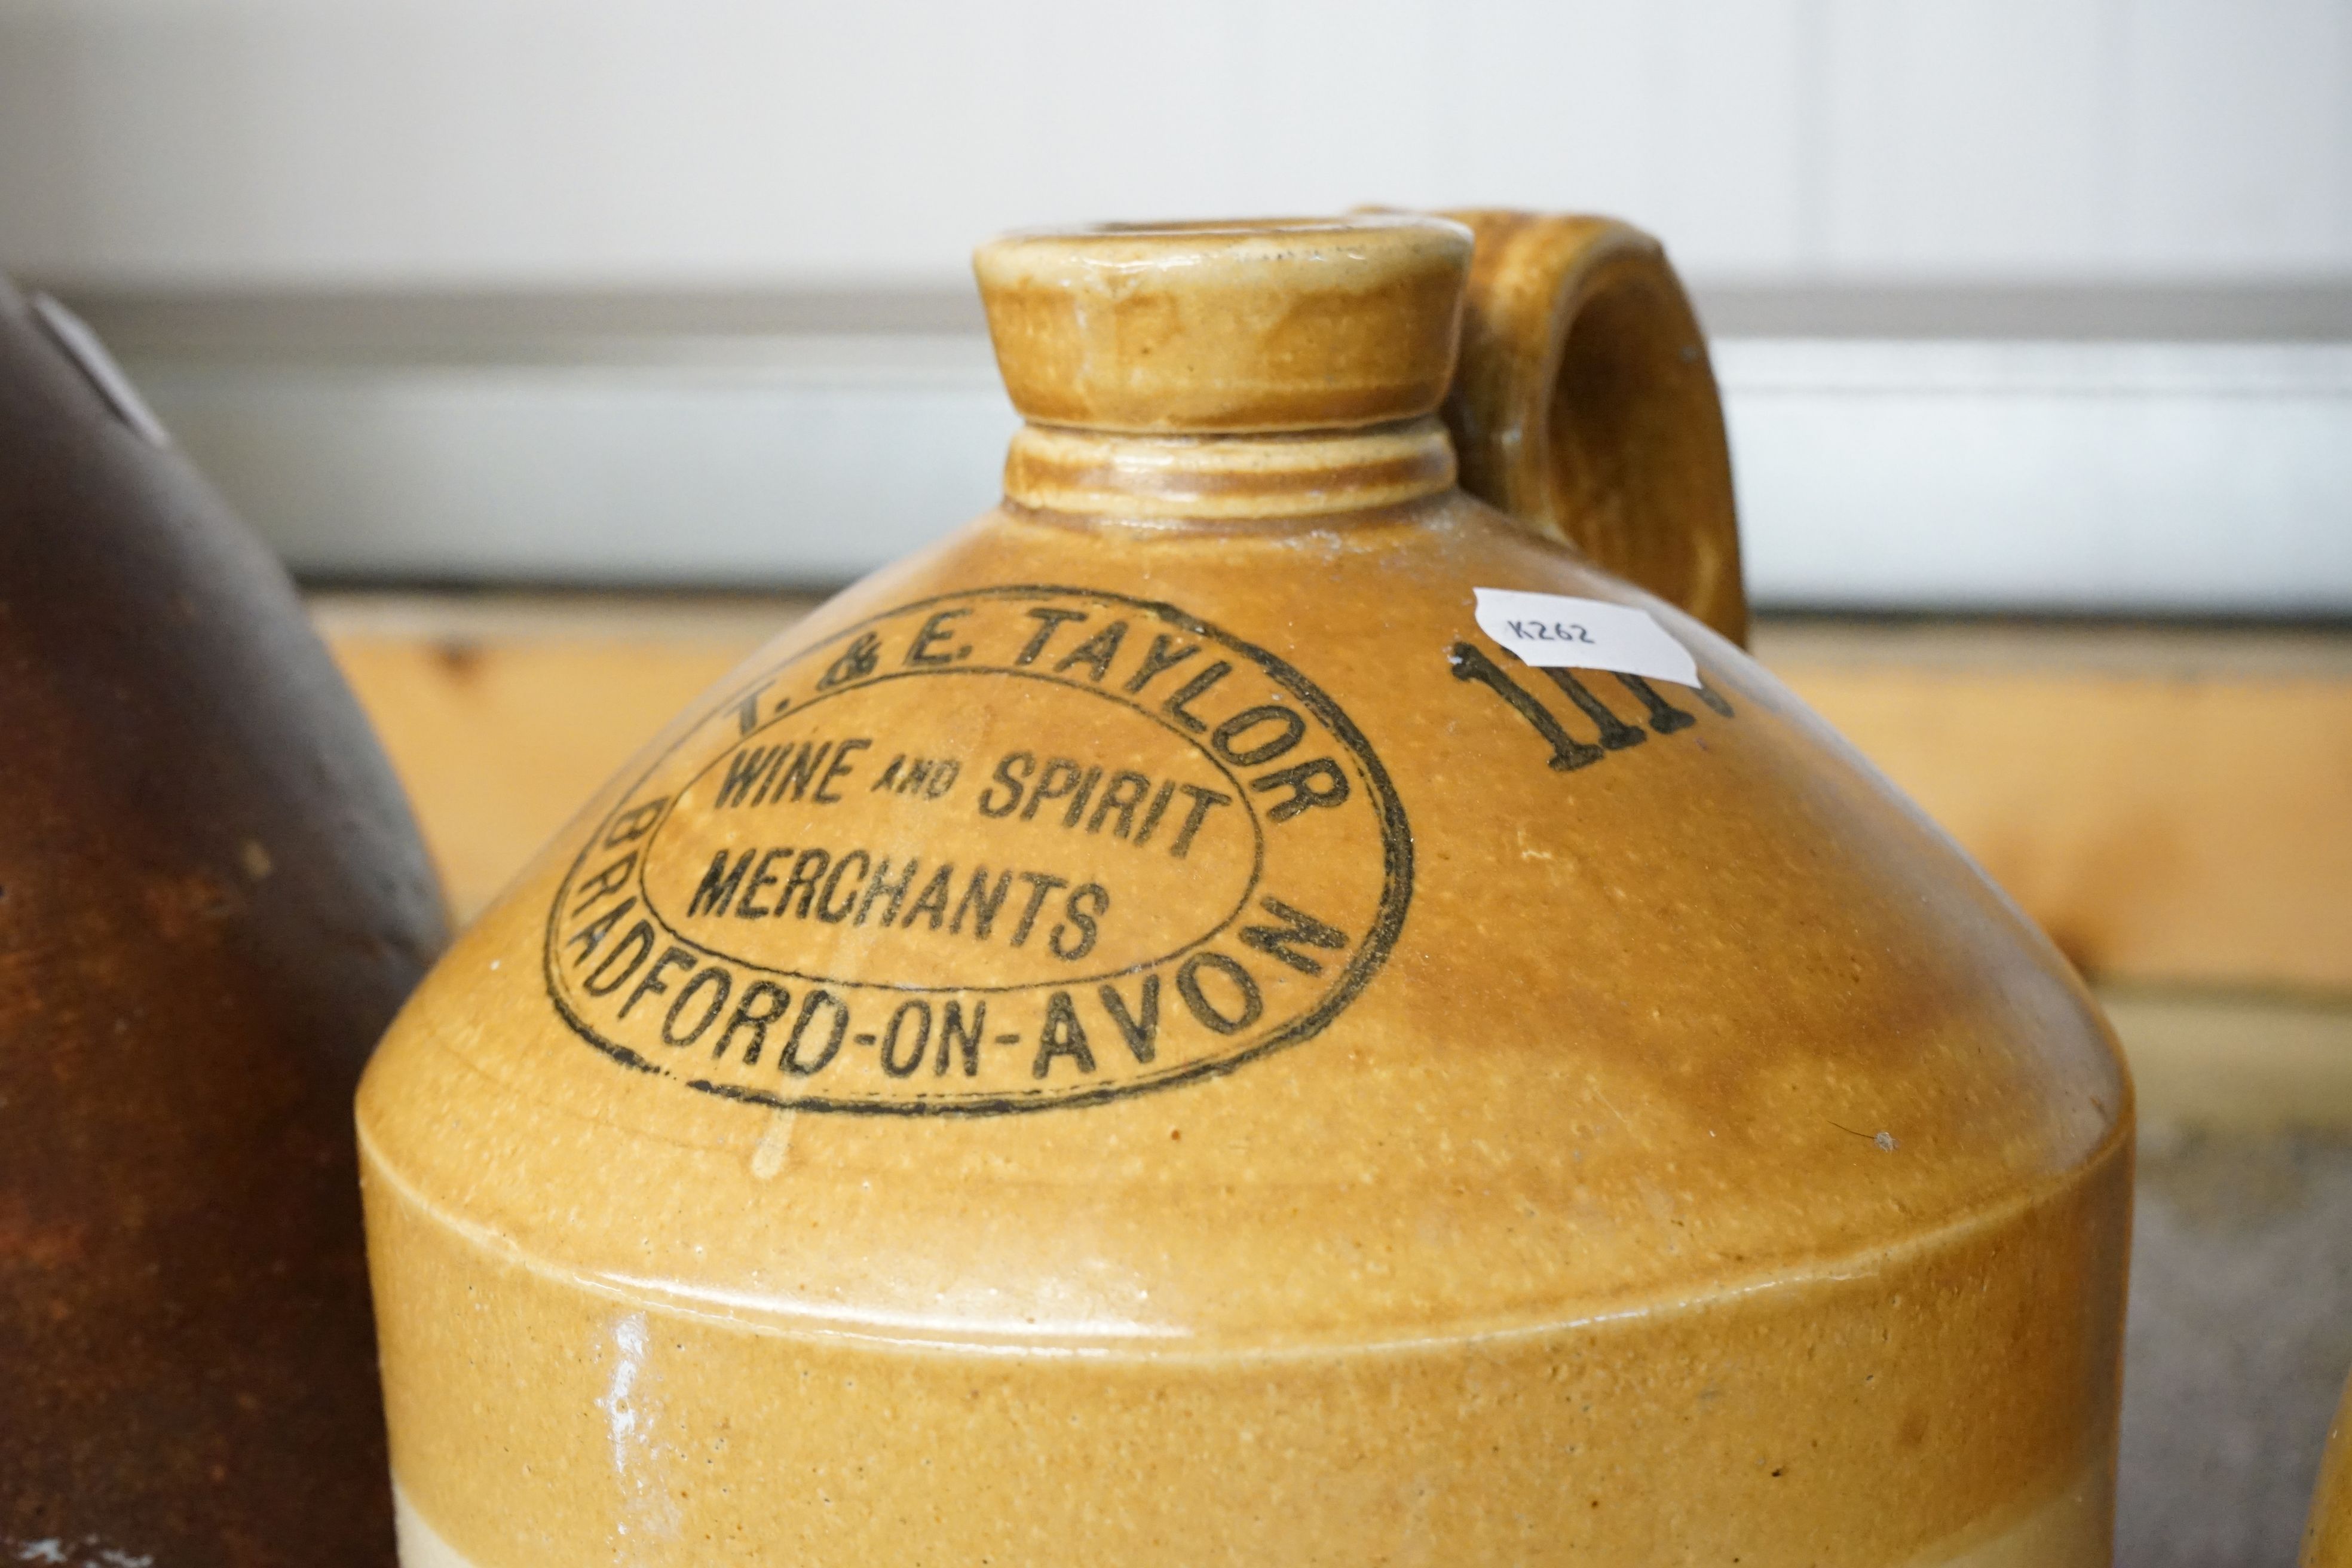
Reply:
x=1161 y=240
x=1301 y=223
x=1227 y=325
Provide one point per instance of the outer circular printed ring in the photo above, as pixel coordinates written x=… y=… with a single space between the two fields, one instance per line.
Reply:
x=1001 y=850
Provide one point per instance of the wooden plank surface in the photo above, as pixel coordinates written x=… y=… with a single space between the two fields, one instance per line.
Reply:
x=503 y=715
x=2174 y=806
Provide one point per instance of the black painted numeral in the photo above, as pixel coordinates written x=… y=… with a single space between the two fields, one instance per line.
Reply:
x=1567 y=751
x=1664 y=717
x=1615 y=734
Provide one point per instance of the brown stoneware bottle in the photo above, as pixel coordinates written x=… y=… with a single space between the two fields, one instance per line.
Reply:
x=1247 y=1007
x=212 y=898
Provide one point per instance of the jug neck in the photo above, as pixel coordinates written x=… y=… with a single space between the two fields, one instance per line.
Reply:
x=1286 y=476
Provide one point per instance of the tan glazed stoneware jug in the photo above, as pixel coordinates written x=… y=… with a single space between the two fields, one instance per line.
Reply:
x=1159 y=1031
x=2327 y=1540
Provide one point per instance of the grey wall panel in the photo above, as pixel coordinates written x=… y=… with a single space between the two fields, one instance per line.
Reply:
x=2184 y=478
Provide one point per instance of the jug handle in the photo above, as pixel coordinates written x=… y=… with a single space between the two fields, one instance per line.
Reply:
x=1583 y=404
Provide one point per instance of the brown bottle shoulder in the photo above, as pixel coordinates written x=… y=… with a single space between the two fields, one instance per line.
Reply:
x=212 y=898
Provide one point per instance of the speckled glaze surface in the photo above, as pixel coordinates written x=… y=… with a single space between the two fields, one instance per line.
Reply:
x=2327 y=1540
x=1139 y=1036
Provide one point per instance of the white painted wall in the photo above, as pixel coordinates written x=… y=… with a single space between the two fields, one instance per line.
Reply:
x=680 y=141
x=665 y=145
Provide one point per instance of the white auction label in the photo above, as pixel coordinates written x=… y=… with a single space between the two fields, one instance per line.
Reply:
x=1554 y=631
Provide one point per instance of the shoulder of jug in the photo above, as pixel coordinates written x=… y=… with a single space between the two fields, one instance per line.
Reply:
x=1175 y=898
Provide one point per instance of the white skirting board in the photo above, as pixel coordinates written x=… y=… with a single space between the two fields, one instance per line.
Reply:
x=2117 y=477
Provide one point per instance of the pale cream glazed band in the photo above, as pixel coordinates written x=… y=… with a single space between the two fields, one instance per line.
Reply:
x=2069 y=1531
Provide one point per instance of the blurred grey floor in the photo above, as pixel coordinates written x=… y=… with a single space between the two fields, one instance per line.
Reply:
x=2239 y=1339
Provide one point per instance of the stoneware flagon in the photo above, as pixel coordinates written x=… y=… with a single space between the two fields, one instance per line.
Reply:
x=2327 y=1538
x=212 y=899
x=1157 y=1031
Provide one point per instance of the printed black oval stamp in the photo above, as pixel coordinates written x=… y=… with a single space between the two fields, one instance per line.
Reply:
x=1000 y=850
